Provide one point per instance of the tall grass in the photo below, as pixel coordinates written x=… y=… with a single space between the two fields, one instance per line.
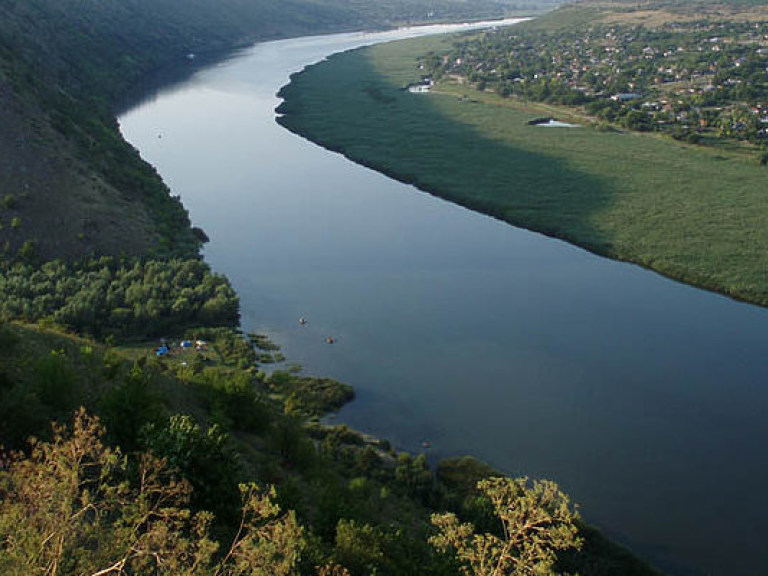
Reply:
x=696 y=214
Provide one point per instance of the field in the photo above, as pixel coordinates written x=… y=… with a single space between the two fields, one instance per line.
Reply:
x=692 y=213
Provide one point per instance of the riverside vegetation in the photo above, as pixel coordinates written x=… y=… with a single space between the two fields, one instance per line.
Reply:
x=684 y=197
x=115 y=460
x=163 y=481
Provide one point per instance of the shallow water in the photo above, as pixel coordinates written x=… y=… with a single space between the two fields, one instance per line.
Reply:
x=645 y=399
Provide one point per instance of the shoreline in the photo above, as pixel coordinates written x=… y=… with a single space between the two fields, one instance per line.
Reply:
x=493 y=213
x=657 y=263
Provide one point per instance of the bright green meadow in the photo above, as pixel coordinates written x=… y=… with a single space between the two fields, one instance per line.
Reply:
x=696 y=214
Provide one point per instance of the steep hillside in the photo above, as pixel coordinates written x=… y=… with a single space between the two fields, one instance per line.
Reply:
x=69 y=185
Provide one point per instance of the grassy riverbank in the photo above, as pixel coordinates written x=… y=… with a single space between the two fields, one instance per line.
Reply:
x=694 y=214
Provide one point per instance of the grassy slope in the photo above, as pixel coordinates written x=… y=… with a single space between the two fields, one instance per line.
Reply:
x=694 y=214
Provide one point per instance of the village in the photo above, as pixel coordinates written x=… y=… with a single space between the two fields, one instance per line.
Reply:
x=699 y=81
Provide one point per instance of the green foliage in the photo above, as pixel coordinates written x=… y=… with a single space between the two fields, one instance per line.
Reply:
x=233 y=402
x=291 y=444
x=8 y=338
x=108 y=296
x=309 y=396
x=461 y=475
x=49 y=388
x=358 y=547
x=128 y=407
x=28 y=251
x=22 y=412
x=9 y=202
x=204 y=457
x=74 y=507
x=537 y=521
x=56 y=382
x=413 y=476
x=67 y=510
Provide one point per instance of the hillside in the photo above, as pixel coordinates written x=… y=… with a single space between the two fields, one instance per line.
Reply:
x=69 y=185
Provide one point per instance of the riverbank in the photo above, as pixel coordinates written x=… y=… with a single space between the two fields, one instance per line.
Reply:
x=692 y=214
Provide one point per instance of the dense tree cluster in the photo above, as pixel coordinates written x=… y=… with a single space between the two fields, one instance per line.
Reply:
x=685 y=78
x=109 y=296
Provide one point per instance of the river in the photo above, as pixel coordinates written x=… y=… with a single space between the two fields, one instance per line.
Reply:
x=645 y=399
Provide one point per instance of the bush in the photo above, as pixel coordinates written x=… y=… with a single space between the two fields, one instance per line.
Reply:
x=204 y=458
x=28 y=251
x=9 y=202
x=130 y=406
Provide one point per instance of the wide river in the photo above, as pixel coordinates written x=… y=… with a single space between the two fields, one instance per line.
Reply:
x=645 y=399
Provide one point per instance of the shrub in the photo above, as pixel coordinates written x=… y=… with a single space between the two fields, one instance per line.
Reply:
x=9 y=202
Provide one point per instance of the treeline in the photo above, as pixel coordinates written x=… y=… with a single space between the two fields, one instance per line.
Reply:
x=120 y=298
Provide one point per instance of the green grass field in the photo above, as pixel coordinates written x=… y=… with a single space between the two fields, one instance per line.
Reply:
x=696 y=214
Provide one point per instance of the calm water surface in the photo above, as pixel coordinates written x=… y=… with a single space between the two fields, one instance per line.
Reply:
x=645 y=399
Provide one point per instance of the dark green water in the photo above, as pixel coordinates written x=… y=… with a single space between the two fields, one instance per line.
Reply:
x=645 y=399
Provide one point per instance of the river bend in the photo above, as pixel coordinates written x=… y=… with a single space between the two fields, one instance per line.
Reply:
x=644 y=398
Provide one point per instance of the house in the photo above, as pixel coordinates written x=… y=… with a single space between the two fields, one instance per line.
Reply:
x=625 y=97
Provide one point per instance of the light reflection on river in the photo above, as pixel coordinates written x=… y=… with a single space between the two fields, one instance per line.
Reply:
x=645 y=399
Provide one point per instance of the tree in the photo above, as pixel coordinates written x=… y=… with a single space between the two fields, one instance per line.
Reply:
x=413 y=475
x=69 y=509
x=205 y=457
x=266 y=543
x=536 y=521
x=76 y=506
x=360 y=547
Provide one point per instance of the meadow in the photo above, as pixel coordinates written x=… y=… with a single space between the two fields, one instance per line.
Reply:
x=691 y=213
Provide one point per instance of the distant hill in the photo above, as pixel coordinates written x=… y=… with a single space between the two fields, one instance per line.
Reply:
x=69 y=185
